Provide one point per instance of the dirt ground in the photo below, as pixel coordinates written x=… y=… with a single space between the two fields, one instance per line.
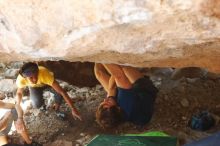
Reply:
x=176 y=102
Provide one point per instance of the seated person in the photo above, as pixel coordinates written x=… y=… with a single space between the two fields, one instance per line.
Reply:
x=38 y=79
x=8 y=113
x=130 y=96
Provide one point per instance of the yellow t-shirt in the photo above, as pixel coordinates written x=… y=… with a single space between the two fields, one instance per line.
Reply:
x=45 y=77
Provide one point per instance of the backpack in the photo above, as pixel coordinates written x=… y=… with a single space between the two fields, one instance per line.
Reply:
x=202 y=121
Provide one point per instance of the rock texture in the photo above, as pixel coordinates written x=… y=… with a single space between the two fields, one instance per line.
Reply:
x=180 y=96
x=143 y=33
x=75 y=73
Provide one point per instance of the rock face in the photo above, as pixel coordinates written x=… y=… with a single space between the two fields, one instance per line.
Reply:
x=142 y=33
x=75 y=73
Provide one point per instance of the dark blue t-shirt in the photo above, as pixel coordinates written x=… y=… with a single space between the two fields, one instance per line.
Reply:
x=126 y=101
x=136 y=110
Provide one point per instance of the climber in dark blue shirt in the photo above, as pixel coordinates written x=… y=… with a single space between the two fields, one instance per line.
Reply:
x=130 y=96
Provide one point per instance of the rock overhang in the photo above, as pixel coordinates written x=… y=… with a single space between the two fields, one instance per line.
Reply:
x=162 y=33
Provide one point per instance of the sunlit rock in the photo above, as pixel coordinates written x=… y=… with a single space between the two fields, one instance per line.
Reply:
x=158 y=33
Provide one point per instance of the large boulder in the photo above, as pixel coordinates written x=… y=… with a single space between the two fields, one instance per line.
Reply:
x=142 y=33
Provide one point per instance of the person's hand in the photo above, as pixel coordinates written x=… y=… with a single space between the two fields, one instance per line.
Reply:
x=19 y=125
x=76 y=114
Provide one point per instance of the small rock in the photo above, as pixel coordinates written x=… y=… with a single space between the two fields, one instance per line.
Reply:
x=16 y=65
x=36 y=112
x=84 y=89
x=80 y=141
x=184 y=102
x=166 y=97
x=184 y=118
x=82 y=134
x=98 y=87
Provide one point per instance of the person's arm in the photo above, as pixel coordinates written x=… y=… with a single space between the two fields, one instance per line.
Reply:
x=4 y=120
x=19 y=111
x=4 y=105
x=19 y=95
x=111 y=87
x=66 y=97
x=19 y=124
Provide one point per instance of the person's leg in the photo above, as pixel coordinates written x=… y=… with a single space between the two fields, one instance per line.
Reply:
x=3 y=140
x=119 y=75
x=36 y=96
x=7 y=127
x=132 y=74
x=57 y=97
x=101 y=75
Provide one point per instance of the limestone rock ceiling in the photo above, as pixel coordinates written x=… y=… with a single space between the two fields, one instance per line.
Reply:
x=142 y=33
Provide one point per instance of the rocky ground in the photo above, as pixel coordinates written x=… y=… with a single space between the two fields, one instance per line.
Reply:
x=183 y=92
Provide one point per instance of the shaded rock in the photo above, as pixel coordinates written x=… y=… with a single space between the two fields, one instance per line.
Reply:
x=11 y=73
x=188 y=72
x=2 y=95
x=80 y=74
x=15 y=64
x=60 y=143
x=161 y=72
x=213 y=76
x=2 y=66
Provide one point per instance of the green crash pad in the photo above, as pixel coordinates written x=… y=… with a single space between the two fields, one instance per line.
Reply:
x=151 y=133
x=119 y=140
